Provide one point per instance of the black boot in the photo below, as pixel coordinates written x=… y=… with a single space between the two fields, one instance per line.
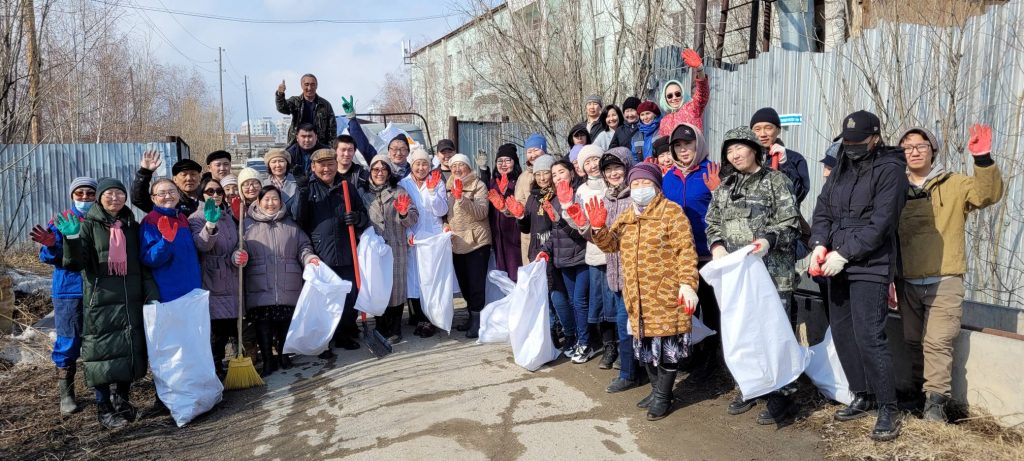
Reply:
x=779 y=407
x=934 y=408
x=888 y=424
x=464 y=326
x=474 y=325
x=652 y=377
x=107 y=417
x=618 y=385
x=663 y=399
x=66 y=388
x=611 y=352
x=860 y=406
x=738 y=406
x=264 y=337
x=122 y=406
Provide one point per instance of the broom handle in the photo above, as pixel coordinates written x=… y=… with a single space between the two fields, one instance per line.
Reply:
x=351 y=231
x=241 y=290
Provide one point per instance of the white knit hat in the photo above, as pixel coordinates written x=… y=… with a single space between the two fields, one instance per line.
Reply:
x=459 y=158
x=247 y=174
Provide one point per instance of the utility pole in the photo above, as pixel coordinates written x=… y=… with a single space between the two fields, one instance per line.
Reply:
x=29 y=24
x=220 y=76
x=701 y=23
x=248 y=121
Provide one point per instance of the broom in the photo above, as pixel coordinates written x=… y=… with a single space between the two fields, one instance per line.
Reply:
x=374 y=341
x=241 y=372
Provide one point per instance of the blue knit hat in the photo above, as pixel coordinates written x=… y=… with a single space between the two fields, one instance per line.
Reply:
x=538 y=141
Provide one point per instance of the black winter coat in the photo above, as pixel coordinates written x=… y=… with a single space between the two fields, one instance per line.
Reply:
x=565 y=245
x=143 y=201
x=795 y=169
x=858 y=213
x=319 y=209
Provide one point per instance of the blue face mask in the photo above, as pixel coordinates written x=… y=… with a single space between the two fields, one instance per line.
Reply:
x=642 y=195
x=83 y=206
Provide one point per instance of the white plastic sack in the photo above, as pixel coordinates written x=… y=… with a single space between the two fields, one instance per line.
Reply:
x=760 y=349
x=494 y=317
x=437 y=277
x=529 y=322
x=180 y=356
x=318 y=311
x=827 y=373
x=376 y=273
x=389 y=132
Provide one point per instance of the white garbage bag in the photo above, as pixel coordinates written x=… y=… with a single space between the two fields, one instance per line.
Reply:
x=826 y=372
x=529 y=322
x=376 y=273
x=494 y=317
x=317 y=312
x=180 y=356
x=437 y=278
x=760 y=349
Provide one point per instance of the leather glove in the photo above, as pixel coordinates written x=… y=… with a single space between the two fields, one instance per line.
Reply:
x=834 y=264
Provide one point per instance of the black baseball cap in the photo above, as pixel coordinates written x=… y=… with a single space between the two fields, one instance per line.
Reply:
x=660 y=146
x=445 y=144
x=859 y=125
x=683 y=133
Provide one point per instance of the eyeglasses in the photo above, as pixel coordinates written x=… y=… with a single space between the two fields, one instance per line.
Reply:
x=677 y=94
x=214 y=191
x=503 y=160
x=922 y=148
x=252 y=185
x=166 y=194
x=84 y=193
x=379 y=170
x=114 y=193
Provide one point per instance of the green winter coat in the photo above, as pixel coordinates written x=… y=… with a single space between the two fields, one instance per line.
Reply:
x=113 y=338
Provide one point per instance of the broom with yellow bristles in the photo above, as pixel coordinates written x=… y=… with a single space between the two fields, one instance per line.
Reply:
x=241 y=372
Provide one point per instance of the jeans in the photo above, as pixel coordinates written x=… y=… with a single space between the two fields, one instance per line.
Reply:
x=577 y=281
x=627 y=360
x=857 y=314
x=601 y=304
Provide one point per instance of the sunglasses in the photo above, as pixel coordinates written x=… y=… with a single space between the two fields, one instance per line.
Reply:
x=214 y=191
x=677 y=94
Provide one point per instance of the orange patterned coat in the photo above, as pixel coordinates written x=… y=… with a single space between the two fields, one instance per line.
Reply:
x=657 y=256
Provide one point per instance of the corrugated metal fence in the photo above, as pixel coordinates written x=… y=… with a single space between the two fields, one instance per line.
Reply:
x=34 y=178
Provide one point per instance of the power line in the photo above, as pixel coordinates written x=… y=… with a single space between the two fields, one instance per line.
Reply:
x=160 y=33
x=281 y=21
x=186 y=29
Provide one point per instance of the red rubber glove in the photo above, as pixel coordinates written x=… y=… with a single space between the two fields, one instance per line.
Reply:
x=515 y=208
x=496 y=199
x=692 y=59
x=168 y=229
x=240 y=258
x=550 y=211
x=564 y=192
x=777 y=152
x=503 y=183
x=817 y=259
x=433 y=179
x=412 y=240
x=597 y=212
x=542 y=256
x=576 y=213
x=42 y=236
x=402 y=204
x=981 y=140
x=711 y=179
x=457 y=189
x=236 y=206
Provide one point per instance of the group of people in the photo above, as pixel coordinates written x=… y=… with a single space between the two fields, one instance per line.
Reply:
x=624 y=220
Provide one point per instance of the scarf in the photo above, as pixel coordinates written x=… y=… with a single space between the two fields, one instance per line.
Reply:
x=649 y=130
x=117 y=255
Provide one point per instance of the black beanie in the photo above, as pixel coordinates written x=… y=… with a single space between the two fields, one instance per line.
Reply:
x=766 y=114
x=185 y=165
x=660 y=145
x=217 y=155
x=507 y=150
x=630 y=103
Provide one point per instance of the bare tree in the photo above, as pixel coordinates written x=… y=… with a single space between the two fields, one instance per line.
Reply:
x=396 y=96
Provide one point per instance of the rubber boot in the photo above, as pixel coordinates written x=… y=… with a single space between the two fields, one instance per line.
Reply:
x=935 y=408
x=652 y=376
x=888 y=424
x=611 y=353
x=464 y=326
x=474 y=325
x=66 y=389
x=860 y=406
x=661 y=404
x=107 y=417
x=122 y=405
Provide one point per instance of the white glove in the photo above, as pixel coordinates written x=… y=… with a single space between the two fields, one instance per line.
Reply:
x=481 y=161
x=718 y=251
x=834 y=264
x=687 y=298
x=781 y=151
x=761 y=247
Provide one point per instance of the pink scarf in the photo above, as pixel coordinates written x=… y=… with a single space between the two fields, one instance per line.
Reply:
x=117 y=255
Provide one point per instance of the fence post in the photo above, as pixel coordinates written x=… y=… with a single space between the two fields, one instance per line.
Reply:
x=453 y=131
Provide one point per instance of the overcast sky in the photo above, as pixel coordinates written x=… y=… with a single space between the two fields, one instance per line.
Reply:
x=346 y=58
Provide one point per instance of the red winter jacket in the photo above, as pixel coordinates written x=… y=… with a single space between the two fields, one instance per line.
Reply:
x=692 y=112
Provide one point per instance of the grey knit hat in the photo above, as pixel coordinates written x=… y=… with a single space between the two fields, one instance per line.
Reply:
x=81 y=181
x=593 y=98
x=926 y=134
x=543 y=163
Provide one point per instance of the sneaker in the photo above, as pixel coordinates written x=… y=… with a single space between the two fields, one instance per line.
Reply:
x=570 y=351
x=584 y=354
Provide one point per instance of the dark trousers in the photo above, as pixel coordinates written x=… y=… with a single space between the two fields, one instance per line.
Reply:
x=390 y=323
x=471 y=272
x=416 y=314
x=347 y=326
x=857 y=315
x=220 y=331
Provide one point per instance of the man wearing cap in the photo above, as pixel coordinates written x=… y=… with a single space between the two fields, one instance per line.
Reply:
x=855 y=245
x=309 y=108
x=320 y=210
x=306 y=142
x=219 y=164
x=930 y=287
x=66 y=292
x=444 y=152
x=185 y=174
x=767 y=125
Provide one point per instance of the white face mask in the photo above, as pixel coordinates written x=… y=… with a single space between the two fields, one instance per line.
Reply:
x=642 y=195
x=83 y=206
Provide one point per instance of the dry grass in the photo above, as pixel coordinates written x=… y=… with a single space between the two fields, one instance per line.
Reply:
x=25 y=257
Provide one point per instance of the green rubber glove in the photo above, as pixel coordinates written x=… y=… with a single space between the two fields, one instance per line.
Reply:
x=349 y=106
x=68 y=225
x=212 y=211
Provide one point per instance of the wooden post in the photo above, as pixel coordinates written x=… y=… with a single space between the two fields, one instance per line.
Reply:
x=700 y=19
x=723 y=22
x=453 y=131
x=32 y=56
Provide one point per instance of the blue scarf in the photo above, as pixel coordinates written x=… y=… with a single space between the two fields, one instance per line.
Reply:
x=648 y=130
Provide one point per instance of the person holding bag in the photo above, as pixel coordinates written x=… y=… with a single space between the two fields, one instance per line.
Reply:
x=167 y=247
x=471 y=237
x=432 y=201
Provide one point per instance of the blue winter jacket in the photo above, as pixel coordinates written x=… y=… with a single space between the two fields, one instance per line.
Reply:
x=66 y=284
x=175 y=265
x=694 y=197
